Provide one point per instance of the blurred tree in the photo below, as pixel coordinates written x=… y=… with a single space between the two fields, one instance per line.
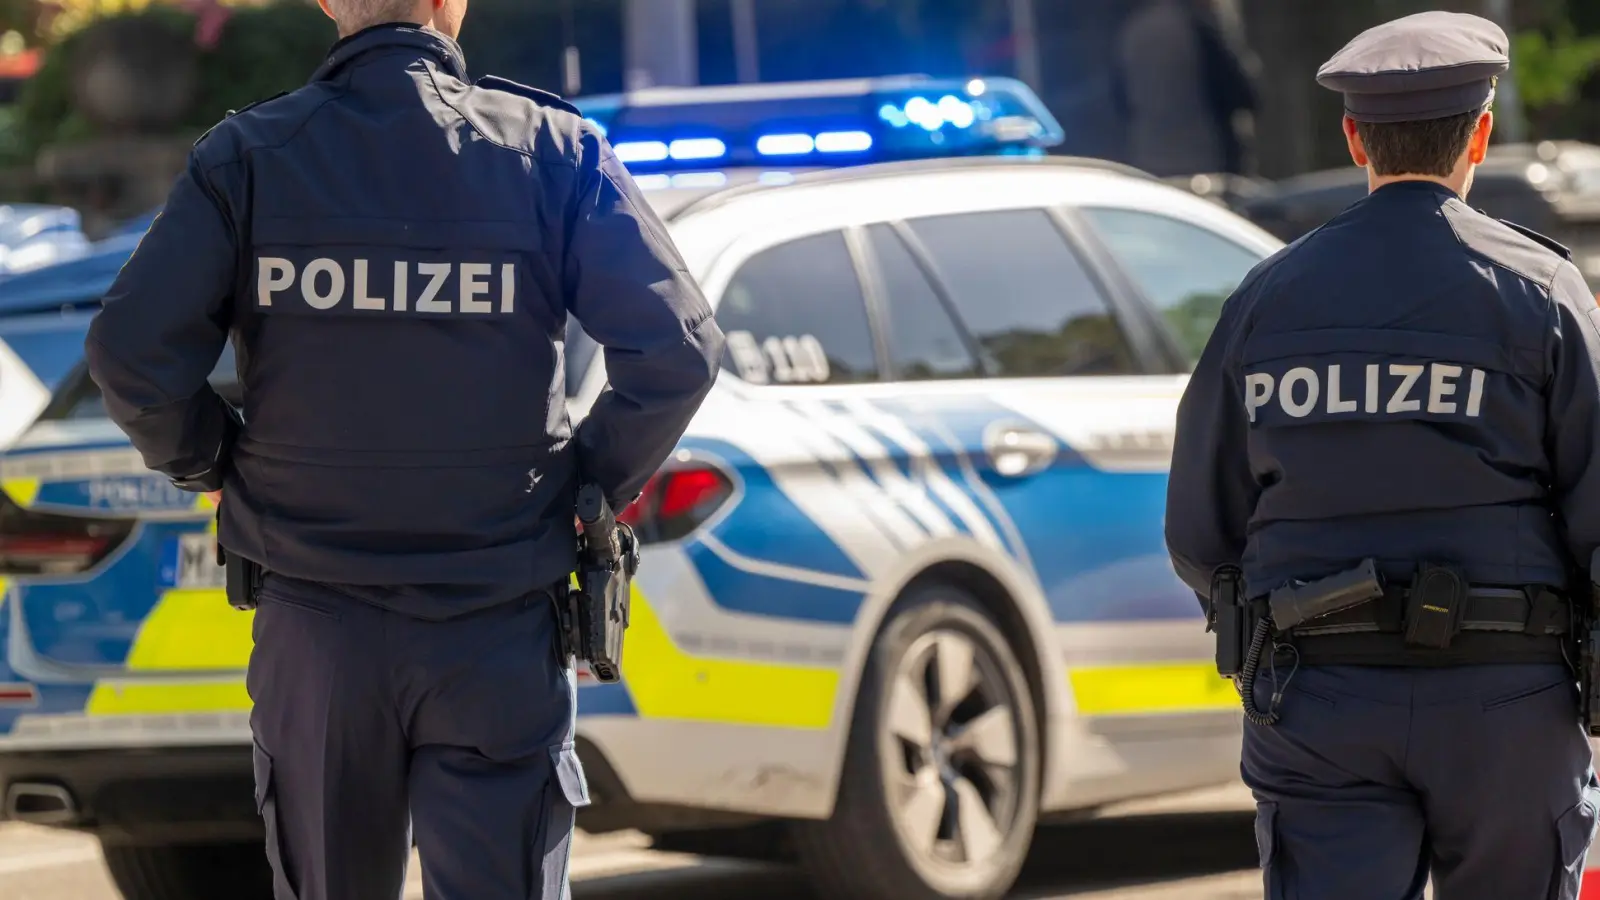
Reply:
x=62 y=17
x=260 y=52
x=1552 y=66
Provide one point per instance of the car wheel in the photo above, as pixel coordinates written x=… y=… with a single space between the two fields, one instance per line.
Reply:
x=940 y=789
x=238 y=871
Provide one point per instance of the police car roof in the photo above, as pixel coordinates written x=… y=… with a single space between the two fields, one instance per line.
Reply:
x=740 y=182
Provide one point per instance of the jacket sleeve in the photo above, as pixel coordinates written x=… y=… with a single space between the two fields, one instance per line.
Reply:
x=627 y=286
x=1211 y=493
x=164 y=325
x=1572 y=430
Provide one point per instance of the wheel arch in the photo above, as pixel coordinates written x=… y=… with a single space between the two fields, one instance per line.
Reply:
x=1019 y=610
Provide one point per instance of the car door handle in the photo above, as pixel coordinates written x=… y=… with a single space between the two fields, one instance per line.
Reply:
x=1016 y=450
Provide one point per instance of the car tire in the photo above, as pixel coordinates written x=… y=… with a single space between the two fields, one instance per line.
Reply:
x=939 y=795
x=238 y=871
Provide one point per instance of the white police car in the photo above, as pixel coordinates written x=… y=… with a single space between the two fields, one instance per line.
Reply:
x=904 y=591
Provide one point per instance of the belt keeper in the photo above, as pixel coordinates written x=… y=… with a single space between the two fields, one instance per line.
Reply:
x=1543 y=612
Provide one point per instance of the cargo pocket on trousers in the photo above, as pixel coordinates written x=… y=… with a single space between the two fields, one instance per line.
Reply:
x=1267 y=850
x=1574 y=832
x=571 y=793
x=267 y=807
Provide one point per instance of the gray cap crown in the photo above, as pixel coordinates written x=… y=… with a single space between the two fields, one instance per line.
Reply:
x=1425 y=66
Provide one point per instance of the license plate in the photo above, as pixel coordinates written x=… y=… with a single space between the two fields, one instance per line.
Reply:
x=191 y=562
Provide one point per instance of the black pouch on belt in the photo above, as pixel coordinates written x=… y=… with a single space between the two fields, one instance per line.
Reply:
x=1433 y=608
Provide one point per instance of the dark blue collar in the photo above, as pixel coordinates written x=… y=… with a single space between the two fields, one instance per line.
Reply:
x=390 y=36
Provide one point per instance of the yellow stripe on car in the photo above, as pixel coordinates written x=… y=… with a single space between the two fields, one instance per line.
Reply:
x=22 y=491
x=195 y=630
x=1144 y=689
x=192 y=630
x=120 y=698
x=667 y=683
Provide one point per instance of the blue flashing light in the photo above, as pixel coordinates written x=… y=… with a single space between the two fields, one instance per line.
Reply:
x=843 y=122
x=949 y=110
x=785 y=144
x=844 y=142
x=956 y=111
x=640 y=151
x=657 y=182
x=698 y=148
x=924 y=113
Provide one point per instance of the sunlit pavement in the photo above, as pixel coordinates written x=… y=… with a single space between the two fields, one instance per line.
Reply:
x=1196 y=847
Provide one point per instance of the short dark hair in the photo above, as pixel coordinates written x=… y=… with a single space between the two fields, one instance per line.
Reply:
x=1430 y=147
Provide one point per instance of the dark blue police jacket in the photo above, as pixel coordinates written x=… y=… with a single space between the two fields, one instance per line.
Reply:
x=1414 y=381
x=394 y=251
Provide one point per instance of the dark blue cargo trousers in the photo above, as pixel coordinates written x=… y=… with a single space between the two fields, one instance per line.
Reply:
x=369 y=724
x=1376 y=778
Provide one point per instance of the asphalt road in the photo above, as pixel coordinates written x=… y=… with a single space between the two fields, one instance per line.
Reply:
x=1195 y=847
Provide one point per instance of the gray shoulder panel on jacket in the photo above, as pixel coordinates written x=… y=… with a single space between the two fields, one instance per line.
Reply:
x=1508 y=246
x=543 y=98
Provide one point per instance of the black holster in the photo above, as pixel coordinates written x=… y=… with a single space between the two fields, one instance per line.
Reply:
x=1229 y=616
x=241 y=579
x=594 y=615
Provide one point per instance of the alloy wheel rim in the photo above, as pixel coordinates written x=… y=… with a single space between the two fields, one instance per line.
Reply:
x=950 y=742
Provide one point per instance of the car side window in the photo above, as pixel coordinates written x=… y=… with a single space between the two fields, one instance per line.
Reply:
x=795 y=314
x=1023 y=293
x=924 y=342
x=1186 y=270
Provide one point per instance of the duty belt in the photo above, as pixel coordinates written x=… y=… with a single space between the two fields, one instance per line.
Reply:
x=1534 y=610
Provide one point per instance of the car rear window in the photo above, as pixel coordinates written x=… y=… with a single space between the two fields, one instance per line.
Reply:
x=80 y=398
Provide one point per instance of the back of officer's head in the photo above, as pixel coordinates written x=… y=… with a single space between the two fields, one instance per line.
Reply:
x=353 y=15
x=1417 y=92
x=1447 y=148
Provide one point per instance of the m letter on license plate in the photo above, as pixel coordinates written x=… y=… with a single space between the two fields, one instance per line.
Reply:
x=191 y=562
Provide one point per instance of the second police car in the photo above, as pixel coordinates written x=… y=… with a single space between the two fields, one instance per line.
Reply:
x=904 y=592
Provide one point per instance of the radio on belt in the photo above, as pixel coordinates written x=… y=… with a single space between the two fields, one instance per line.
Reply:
x=1295 y=604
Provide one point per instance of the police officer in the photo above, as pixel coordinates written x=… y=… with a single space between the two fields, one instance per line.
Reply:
x=1413 y=385
x=394 y=250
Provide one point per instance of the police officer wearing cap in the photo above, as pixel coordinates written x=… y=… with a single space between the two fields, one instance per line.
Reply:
x=1393 y=435
x=394 y=250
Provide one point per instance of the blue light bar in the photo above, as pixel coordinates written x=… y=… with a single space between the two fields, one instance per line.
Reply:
x=697 y=148
x=640 y=151
x=785 y=144
x=844 y=142
x=822 y=122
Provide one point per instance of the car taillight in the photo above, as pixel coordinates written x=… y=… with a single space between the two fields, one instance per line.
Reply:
x=41 y=543
x=677 y=501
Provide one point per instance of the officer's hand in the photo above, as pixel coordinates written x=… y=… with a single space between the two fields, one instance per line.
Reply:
x=216 y=499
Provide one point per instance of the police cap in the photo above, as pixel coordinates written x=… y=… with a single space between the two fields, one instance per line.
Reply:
x=1425 y=66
